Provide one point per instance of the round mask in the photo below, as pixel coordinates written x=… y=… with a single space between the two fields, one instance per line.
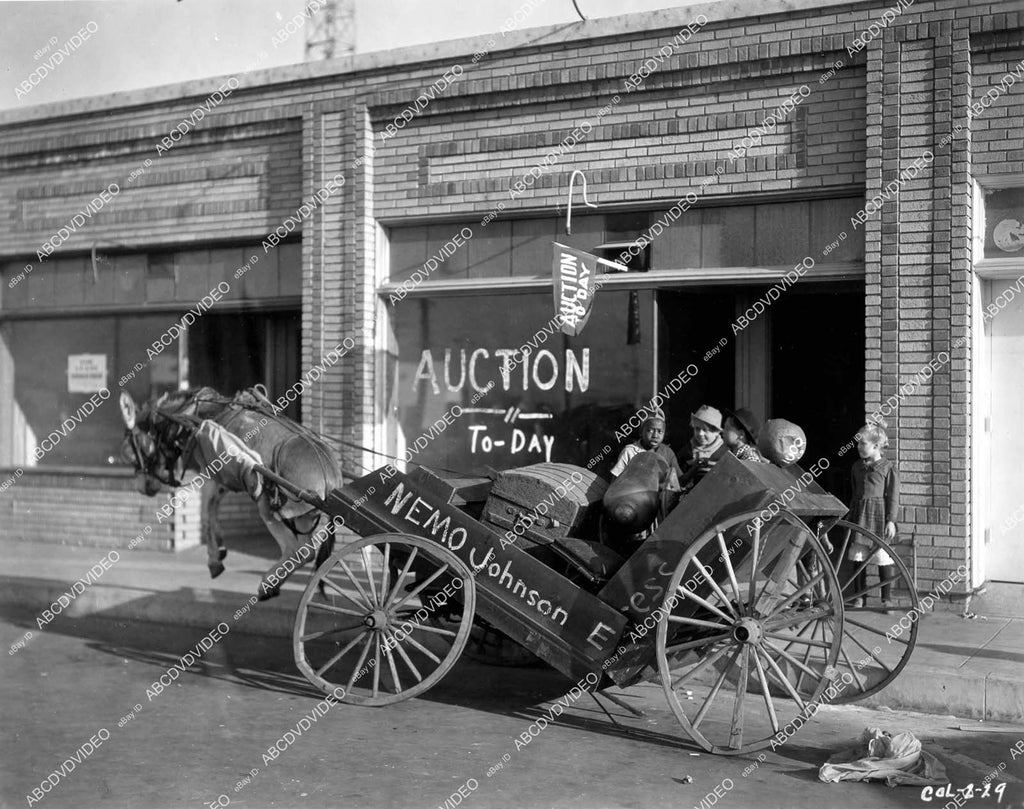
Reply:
x=782 y=442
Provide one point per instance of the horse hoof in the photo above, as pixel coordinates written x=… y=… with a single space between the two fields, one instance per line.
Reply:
x=221 y=553
x=216 y=568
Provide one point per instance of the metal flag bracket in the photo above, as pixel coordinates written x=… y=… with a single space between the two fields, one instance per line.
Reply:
x=568 y=204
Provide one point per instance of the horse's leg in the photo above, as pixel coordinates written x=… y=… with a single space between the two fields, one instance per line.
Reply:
x=211 y=496
x=218 y=534
x=270 y=584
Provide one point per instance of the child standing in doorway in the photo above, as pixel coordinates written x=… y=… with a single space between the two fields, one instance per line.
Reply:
x=875 y=506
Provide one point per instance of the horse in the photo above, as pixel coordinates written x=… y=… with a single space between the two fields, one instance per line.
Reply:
x=164 y=441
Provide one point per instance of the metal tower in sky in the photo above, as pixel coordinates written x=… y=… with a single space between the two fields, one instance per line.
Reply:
x=331 y=31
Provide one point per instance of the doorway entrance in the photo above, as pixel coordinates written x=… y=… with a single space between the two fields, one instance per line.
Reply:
x=802 y=360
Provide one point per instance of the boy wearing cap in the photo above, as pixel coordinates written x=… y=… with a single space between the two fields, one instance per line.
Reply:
x=706 y=446
x=740 y=435
x=652 y=433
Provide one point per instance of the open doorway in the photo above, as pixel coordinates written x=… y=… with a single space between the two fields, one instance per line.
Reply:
x=817 y=372
x=691 y=323
x=802 y=360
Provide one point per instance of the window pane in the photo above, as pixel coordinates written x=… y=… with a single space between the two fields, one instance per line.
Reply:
x=782 y=233
x=1004 y=229
x=531 y=245
x=728 y=236
x=58 y=422
x=490 y=251
x=562 y=404
x=226 y=352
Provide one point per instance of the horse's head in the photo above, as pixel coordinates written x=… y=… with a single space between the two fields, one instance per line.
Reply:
x=152 y=444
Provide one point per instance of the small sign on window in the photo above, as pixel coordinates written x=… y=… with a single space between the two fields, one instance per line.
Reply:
x=87 y=373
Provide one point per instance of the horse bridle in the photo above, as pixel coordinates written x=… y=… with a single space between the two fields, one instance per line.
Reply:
x=149 y=463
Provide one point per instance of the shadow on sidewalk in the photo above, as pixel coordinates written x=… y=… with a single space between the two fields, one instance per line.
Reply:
x=261 y=663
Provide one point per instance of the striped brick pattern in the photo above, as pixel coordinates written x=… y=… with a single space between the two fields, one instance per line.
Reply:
x=996 y=133
x=239 y=519
x=101 y=512
x=651 y=144
x=214 y=186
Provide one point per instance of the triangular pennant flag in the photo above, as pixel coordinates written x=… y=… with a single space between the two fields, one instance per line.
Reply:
x=573 y=274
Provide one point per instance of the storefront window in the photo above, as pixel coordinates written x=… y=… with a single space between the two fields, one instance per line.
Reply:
x=60 y=364
x=563 y=403
x=75 y=328
x=769 y=234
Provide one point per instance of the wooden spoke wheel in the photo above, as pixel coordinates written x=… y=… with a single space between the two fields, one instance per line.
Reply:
x=369 y=631
x=737 y=643
x=880 y=606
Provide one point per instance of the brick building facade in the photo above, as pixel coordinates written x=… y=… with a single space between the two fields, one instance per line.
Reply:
x=871 y=89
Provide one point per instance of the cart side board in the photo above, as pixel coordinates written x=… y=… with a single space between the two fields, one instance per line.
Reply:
x=572 y=630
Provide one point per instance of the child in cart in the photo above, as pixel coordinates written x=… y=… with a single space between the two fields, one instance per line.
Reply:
x=740 y=435
x=644 y=488
x=875 y=506
x=652 y=434
x=706 y=446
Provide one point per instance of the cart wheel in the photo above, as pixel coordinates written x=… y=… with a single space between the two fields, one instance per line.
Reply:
x=871 y=663
x=368 y=634
x=740 y=597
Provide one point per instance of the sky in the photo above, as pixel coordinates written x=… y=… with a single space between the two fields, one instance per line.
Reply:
x=131 y=44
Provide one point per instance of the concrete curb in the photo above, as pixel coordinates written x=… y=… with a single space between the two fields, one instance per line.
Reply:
x=966 y=694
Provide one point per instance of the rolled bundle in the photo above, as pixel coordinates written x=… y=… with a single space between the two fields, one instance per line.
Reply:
x=631 y=502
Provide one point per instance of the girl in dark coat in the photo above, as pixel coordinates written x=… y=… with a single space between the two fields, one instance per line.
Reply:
x=875 y=506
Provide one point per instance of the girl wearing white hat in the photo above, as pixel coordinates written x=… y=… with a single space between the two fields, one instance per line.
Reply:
x=706 y=446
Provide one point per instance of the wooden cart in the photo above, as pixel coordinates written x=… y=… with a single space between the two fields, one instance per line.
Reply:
x=734 y=602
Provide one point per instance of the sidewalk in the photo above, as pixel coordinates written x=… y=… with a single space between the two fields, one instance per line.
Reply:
x=968 y=668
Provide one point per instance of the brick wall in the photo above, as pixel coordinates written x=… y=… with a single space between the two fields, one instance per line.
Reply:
x=996 y=133
x=239 y=519
x=105 y=512
x=88 y=510
x=880 y=109
x=229 y=181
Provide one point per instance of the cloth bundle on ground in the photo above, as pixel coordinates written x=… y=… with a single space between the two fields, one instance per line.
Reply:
x=896 y=759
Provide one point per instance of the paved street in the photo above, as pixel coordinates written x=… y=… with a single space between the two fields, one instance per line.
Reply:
x=200 y=738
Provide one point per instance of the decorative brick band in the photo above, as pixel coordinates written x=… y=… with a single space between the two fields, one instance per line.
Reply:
x=996 y=22
x=247 y=168
x=791 y=133
x=484 y=94
x=67 y=151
